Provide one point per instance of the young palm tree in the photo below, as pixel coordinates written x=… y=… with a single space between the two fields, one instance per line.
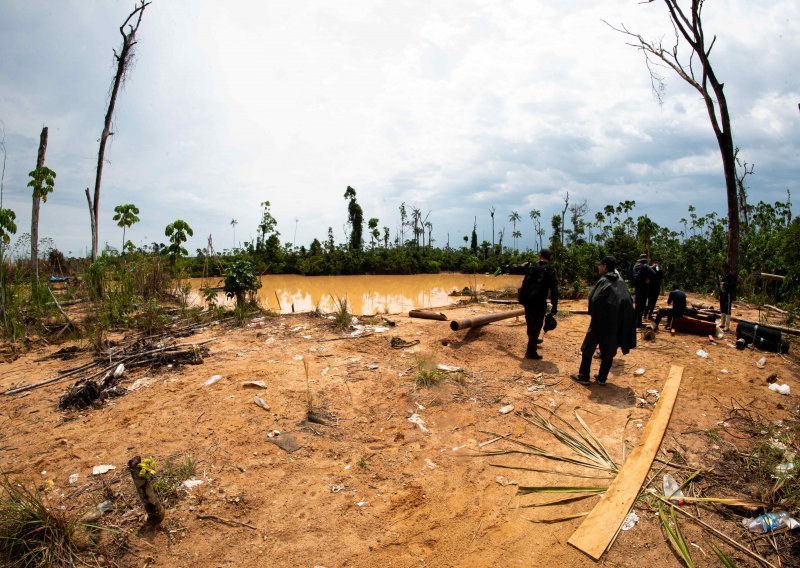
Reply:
x=514 y=217
x=125 y=216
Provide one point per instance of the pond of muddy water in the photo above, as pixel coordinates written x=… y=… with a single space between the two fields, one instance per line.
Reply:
x=366 y=295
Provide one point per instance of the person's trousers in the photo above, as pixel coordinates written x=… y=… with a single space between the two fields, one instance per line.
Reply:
x=534 y=320
x=652 y=298
x=669 y=312
x=640 y=297
x=590 y=343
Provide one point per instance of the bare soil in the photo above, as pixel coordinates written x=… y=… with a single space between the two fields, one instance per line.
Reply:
x=372 y=488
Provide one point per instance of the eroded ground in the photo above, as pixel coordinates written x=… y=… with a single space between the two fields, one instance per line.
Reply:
x=373 y=488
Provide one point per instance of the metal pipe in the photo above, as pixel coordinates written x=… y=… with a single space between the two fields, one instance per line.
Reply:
x=477 y=321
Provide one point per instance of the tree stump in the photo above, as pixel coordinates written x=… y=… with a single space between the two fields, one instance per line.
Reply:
x=147 y=494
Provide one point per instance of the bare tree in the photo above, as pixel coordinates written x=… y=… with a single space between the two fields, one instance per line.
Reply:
x=690 y=58
x=124 y=58
x=42 y=183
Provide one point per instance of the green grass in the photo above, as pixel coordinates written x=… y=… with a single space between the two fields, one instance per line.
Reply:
x=341 y=313
x=175 y=471
x=426 y=373
x=31 y=534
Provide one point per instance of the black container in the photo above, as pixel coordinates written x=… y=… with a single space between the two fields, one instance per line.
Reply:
x=764 y=338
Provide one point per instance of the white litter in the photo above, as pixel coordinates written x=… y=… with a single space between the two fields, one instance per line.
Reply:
x=260 y=402
x=639 y=371
x=506 y=409
x=724 y=371
x=362 y=503
x=73 y=478
x=415 y=419
x=761 y=363
x=324 y=372
x=101 y=469
x=297 y=358
x=702 y=353
x=270 y=340
x=255 y=384
x=192 y=483
x=630 y=521
x=212 y=380
x=782 y=389
x=306 y=336
x=429 y=463
x=119 y=370
x=448 y=368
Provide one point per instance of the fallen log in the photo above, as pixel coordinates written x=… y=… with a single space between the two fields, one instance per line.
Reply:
x=425 y=314
x=478 y=321
x=503 y=301
x=775 y=277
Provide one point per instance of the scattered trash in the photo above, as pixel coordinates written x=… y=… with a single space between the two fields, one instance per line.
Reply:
x=212 y=380
x=415 y=419
x=672 y=490
x=639 y=371
x=769 y=522
x=362 y=503
x=260 y=402
x=306 y=336
x=702 y=353
x=255 y=384
x=73 y=479
x=535 y=388
x=429 y=463
x=337 y=487
x=782 y=389
x=506 y=409
x=101 y=469
x=372 y=367
x=119 y=371
x=192 y=483
x=724 y=371
x=380 y=329
x=630 y=521
x=504 y=482
x=772 y=378
x=400 y=343
x=297 y=358
x=784 y=469
x=448 y=368
x=105 y=507
x=654 y=392
x=256 y=324
x=761 y=363
x=270 y=340
x=284 y=441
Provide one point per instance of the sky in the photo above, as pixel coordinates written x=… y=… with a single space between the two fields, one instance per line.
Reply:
x=453 y=107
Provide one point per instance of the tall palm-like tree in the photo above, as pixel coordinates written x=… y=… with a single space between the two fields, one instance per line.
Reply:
x=234 y=222
x=125 y=216
x=514 y=217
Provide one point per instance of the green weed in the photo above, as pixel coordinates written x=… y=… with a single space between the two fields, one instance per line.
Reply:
x=173 y=473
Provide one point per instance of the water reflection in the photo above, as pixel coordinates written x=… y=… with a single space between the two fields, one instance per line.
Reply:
x=366 y=295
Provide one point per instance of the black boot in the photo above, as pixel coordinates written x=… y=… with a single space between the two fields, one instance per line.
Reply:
x=602 y=374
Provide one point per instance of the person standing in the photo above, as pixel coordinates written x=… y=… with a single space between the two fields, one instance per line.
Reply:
x=612 y=324
x=540 y=282
x=727 y=288
x=654 y=288
x=642 y=275
x=676 y=299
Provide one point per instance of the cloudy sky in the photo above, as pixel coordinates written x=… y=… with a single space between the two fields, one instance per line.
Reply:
x=452 y=107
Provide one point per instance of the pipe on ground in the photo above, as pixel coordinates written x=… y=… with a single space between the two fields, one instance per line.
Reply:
x=478 y=321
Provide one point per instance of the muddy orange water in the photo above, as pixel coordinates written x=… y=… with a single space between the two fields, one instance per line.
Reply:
x=366 y=295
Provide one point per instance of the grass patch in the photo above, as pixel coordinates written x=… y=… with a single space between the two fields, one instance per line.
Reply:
x=31 y=534
x=426 y=371
x=168 y=481
x=341 y=313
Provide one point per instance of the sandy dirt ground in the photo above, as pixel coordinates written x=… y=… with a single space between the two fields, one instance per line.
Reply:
x=372 y=488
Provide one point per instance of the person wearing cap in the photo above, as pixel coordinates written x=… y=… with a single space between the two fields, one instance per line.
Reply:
x=539 y=282
x=612 y=324
x=642 y=276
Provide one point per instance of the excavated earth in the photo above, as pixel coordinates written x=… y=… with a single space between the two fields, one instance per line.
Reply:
x=371 y=487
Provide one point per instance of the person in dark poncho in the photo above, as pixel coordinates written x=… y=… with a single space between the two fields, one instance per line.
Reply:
x=654 y=288
x=613 y=324
x=540 y=282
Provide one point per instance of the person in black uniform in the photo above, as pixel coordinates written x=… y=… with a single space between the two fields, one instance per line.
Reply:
x=642 y=275
x=676 y=299
x=612 y=325
x=727 y=295
x=654 y=288
x=539 y=282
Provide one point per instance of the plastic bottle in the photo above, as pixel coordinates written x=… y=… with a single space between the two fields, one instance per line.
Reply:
x=769 y=522
x=672 y=490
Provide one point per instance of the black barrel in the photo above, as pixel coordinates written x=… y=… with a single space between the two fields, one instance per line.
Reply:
x=765 y=338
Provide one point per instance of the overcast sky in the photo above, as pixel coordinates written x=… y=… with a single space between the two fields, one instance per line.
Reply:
x=453 y=107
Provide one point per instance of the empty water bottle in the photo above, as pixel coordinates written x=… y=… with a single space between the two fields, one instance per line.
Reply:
x=769 y=522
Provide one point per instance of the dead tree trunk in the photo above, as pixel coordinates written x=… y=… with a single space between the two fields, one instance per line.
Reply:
x=147 y=494
x=123 y=59
x=35 y=212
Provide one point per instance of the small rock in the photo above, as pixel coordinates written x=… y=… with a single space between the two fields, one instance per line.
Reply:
x=101 y=469
x=260 y=402
x=213 y=379
x=255 y=384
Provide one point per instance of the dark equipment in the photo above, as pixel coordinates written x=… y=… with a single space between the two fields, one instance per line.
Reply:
x=764 y=338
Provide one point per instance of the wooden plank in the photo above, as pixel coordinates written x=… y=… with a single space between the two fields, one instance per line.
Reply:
x=599 y=528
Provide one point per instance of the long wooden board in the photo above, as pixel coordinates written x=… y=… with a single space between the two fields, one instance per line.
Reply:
x=598 y=529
